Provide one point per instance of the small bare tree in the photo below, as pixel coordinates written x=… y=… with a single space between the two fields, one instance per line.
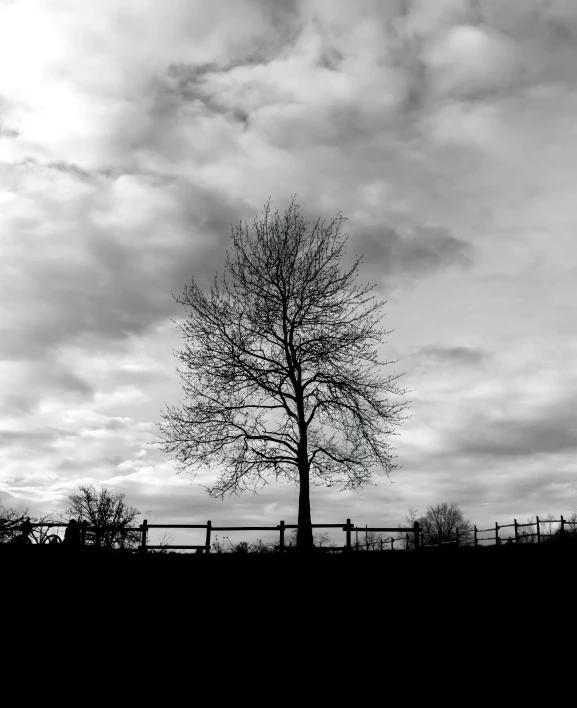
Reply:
x=528 y=532
x=375 y=540
x=408 y=522
x=549 y=529
x=443 y=523
x=10 y=523
x=110 y=519
x=282 y=369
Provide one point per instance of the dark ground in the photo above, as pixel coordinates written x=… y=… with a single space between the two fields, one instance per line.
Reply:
x=472 y=618
x=460 y=580
x=466 y=620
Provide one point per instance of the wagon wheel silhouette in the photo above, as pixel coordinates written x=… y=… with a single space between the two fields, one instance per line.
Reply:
x=53 y=538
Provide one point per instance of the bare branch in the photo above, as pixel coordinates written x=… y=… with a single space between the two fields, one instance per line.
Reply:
x=281 y=372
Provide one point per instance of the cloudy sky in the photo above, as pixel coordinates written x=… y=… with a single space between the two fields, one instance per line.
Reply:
x=134 y=133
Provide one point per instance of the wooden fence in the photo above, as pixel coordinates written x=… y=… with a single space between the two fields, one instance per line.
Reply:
x=145 y=527
x=516 y=526
x=414 y=534
x=457 y=541
x=348 y=528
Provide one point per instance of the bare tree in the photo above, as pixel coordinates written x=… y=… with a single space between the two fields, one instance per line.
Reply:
x=323 y=540
x=546 y=526
x=10 y=523
x=281 y=368
x=549 y=529
x=370 y=540
x=442 y=522
x=109 y=517
x=528 y=532
x=570 y=530
x=408 y=522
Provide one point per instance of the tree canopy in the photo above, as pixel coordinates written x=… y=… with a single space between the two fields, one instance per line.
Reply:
x=442 y=523
x=281 y=368
x=107 y=514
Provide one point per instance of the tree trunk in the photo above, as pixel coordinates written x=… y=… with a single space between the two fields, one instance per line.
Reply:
x=305 y=529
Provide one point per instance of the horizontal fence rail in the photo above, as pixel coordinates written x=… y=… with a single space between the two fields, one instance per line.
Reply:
x=516 y=526
x=414 y=534
x=142 y=531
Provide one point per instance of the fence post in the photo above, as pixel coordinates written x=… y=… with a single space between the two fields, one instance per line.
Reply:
x=381 y=544
x=562 y=524
x=208 y=529
x=144 y=532
x=457 y=538
x=416 y=532
x=348 y=530
x=406 y=542
x=516 y=531
x=475 y=541
x=281 y=543
x=366 y=537
x=392 y=544
x=496 y=533
x=538 y=531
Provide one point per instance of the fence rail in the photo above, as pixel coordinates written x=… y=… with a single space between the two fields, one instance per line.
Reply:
x=144 y=528
x=415 y=533
x=516 y=525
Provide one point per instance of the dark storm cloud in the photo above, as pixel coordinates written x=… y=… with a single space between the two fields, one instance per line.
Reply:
x=518 y=438
x=422 y=250
x=466 y=356
x=539 y=485
x=117 y=287
x=430 y=249
x=547 y=431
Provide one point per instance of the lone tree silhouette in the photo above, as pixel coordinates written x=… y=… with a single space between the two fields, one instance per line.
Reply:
x=280 y=367
x=110 y=518
x=442 y=522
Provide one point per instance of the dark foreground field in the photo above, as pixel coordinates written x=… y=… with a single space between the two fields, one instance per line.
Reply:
x=457 y=580
x=393 y=614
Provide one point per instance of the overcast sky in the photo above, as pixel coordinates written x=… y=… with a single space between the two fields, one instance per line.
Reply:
x=134 y=133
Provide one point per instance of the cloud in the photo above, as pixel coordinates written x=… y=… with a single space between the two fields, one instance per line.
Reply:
x=551 y=429
x=459 y=356
x=470 y=61
x=23 y=388
x=413 y=251
x=133 y=135
x=116 y=250
x=79 y=78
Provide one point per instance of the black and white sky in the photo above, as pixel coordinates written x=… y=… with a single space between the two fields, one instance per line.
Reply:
x=134 y=133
